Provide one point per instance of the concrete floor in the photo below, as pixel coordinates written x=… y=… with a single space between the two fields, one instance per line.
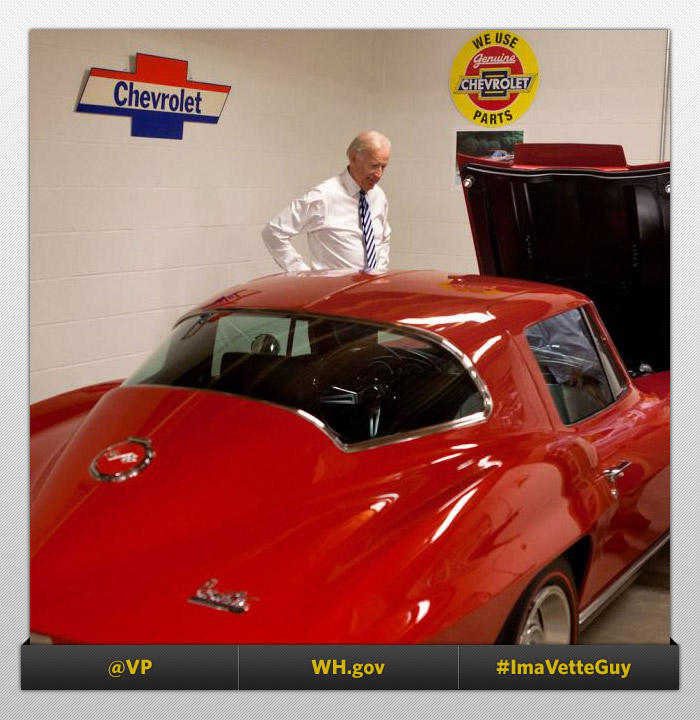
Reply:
x=642 y=614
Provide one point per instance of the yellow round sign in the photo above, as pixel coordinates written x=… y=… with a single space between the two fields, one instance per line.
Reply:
x=494 y=78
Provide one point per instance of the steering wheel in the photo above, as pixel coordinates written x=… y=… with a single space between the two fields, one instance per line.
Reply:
x=354 y=388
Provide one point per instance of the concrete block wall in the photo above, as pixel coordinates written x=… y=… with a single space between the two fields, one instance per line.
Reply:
x=127 y=233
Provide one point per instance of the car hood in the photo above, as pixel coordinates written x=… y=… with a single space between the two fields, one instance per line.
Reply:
x=581 y=217
x=238 y=490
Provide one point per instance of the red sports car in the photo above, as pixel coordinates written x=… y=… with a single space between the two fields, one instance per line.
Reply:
x=356 y=458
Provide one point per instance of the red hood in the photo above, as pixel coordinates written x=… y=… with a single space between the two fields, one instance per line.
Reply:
x=249 y=493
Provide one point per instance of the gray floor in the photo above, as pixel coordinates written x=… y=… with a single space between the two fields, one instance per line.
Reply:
x=642 y=614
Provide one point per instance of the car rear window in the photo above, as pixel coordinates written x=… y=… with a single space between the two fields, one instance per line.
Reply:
x=363 y=381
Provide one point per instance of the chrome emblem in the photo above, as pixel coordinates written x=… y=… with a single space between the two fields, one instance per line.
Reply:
x=123 y=460
x=235 y=602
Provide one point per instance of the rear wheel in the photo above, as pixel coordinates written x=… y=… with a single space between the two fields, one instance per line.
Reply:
x=547 y=612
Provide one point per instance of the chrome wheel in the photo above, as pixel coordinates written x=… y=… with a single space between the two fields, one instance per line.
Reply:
x=548 y=620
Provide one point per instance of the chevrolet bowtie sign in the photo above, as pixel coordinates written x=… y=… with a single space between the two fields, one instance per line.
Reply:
x=158 y=97
x=494 y=78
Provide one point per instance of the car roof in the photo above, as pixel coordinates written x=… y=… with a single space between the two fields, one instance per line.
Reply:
x=420 y=298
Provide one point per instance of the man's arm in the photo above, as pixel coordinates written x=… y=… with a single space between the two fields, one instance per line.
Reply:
x=304 y=214
x=383 y=247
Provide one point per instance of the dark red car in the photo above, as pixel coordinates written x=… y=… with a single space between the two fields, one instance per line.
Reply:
x=352 y=458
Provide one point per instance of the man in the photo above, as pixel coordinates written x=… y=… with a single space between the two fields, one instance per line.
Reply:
x=345 y=217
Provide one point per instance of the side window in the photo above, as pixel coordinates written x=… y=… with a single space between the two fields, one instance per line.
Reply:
x=567 y=356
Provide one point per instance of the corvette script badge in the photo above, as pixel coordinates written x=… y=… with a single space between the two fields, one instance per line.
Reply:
x=235 y=602
x=122 y=461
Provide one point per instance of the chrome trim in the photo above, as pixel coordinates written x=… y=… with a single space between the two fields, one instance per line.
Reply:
x=620 y=584
x=236 y=602
x=433 y=337
x=592 y=325
x=131 y=472
x=472 y=419
x=612 y=474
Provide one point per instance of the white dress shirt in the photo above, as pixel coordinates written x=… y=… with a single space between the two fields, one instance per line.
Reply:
x=329 y=213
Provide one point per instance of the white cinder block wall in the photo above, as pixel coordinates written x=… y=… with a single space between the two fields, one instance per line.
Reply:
x=127 y=233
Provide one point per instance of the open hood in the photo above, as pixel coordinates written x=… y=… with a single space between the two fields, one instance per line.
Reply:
x=579 y=216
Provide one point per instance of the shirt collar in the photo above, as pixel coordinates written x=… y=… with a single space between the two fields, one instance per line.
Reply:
x=350 y=185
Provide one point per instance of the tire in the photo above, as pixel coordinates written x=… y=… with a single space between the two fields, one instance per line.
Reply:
x=547 y=612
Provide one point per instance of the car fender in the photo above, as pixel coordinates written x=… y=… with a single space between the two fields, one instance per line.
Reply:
x=461 y=564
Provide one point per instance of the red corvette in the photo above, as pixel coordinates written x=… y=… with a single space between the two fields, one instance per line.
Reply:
x=351 y=458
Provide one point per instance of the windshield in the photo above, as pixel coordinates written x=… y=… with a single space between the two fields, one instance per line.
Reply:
x=362 y=380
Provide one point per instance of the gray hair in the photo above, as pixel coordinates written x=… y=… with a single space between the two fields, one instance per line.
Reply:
x=365 y=140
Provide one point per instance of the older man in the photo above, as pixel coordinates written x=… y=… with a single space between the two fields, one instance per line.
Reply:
x=345 y=217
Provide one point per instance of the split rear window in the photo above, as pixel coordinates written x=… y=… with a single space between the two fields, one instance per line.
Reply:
x=364 y=381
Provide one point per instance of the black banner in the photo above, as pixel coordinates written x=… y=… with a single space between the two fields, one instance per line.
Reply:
x=129 y=667
x=568 y=667
x=348 y=667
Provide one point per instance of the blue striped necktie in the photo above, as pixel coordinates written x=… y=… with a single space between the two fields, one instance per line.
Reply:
x=366 y=225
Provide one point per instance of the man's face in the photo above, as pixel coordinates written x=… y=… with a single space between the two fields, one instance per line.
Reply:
x=368 y=167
